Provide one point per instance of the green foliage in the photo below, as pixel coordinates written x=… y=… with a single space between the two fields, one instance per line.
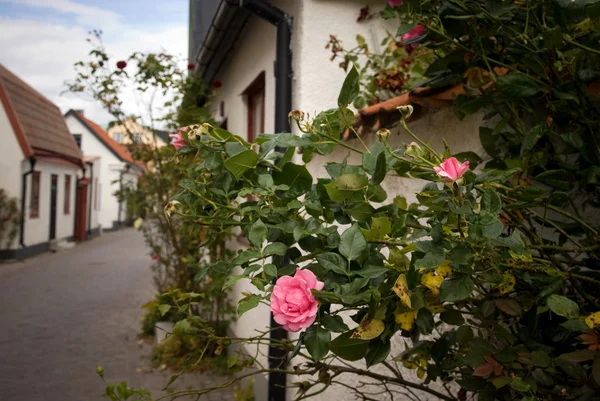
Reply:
x=10 y=218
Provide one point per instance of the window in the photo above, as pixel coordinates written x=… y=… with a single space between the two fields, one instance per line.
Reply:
x=255 y=99
x=137 y=138
x=77 y=138
x=34 y=212
x=67 y=207
x=118 y=136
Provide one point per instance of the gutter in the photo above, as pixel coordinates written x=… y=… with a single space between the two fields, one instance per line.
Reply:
x=283 y=105
x=227 y=25
x=23 y=195
x=89 y=230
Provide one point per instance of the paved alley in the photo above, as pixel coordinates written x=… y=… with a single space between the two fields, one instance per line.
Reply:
x=63 y=314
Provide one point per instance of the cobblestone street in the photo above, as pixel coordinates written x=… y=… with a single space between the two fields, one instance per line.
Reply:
x=65 y=313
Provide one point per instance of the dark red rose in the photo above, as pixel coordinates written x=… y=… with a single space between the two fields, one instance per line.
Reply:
x=364 y=14
x=216 y=84
x=191 y=66
x=121 y=64
x=155 y=257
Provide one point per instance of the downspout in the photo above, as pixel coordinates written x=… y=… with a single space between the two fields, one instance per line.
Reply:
x=91 y=164
x=75 y=220
x=23 y=195
x=283 y=105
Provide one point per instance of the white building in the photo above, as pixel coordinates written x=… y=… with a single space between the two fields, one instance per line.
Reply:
x=115 y=169
x=132 y=132
x=235 y=47
x=41 y=167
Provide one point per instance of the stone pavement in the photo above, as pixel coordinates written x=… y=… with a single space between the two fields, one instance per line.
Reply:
x=63 y=314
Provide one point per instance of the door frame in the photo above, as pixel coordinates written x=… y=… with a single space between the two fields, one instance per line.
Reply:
x=53 y=206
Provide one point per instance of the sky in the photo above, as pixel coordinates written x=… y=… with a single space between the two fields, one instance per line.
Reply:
x=40 y=40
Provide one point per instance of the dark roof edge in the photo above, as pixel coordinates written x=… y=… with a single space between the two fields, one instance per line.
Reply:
x=72 y=112
x=220 y=38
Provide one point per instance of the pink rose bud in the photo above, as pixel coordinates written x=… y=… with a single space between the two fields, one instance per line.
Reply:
x=413 y=33
x=394 y=3
x=177 y=140
x=292 y=303
x=451 y=169
x=155 y=257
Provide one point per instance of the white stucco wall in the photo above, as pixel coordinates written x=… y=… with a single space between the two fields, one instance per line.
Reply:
x=11 y=156
x=37 y=230
x=94 y=172
x=110 y=168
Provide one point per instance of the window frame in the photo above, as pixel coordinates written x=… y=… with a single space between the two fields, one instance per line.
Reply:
x=67 y=200
x=257 y=87
x=78 y=139
x=34 y=205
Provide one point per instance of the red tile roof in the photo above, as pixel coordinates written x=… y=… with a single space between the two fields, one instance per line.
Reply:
x=36 y=121
x=116 y=148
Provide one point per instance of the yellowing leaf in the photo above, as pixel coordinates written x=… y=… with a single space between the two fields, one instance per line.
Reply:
x=507 y=284
x=401 y=289
x=444 y=269
x=420 y=373
x=432 y=282
x=434 y=307
x=368 y=329
x=137 y=224
x=593 y=320
x=406 y=320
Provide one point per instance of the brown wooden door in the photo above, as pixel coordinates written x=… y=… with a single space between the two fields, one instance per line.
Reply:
x=81 y=210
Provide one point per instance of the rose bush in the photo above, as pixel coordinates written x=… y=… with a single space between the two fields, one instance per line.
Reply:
x=489 y=285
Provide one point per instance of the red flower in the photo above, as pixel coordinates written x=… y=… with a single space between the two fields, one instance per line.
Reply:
x=417 y=31
x=364 y=14
x=216 y=84
x=394 y=3
x=191 y=66
x=121 y=64
x=155 y=257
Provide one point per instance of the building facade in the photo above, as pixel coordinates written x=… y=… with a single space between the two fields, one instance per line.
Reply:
x=114 y=169
x=42 y=168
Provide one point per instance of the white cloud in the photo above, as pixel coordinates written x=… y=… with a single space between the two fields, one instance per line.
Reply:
x=43 y=53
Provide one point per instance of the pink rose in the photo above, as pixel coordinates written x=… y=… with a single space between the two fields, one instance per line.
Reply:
x=394 y=3
x=413 y=33
x=451 y=169
x=292 y=303
x=177 y=140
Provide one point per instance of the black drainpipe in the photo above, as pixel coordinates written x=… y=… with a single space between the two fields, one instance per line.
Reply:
x=91 y=192
x=283 y=105
x=23 y=195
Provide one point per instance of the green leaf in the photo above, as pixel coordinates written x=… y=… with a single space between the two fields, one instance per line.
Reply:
x=425 y=321
x=352 y=243
x=348 y=186
x=349 y=349
x=575 y=325
x=350 y=88
x=380 y=170
x=232 y=280
x=516 y=85
x=163 y=309
x=334 y=323
x=403 y=28
x=452 y=317
x=464 y=335
x=276 y=248
x=563 y=306
x=378 y=352
x=296 y=177
x=249 y=302
x=231 y=361
x=491 y=204
x=457 y=289
x=270 y=270
x=541 y=359
x=258 y=234
x=334 y=262
x=369 y=158
x=317 y=342
x=559 y=179
x=380 y=227
x=531 y=139
x=519 y=385
x=241 y=163
x=361 y=211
